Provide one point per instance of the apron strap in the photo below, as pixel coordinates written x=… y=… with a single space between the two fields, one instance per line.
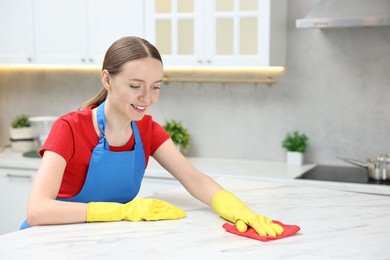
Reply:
x=137 y=137
x=101 y=119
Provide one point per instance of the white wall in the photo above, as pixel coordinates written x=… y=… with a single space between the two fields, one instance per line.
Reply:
x=336 y=89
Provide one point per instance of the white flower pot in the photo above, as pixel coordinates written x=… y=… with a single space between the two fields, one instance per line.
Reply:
x=22 y=139
x=295 y=158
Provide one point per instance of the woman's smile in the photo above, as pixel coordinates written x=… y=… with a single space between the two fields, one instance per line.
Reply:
x=140 y=109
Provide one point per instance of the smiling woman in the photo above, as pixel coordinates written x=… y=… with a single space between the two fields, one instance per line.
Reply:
x=94 y=159
x=135 y=89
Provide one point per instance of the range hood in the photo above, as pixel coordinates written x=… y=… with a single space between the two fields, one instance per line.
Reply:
x=347 y=13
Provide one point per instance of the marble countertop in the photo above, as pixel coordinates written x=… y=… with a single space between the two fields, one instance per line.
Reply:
x=334 y=225
x=211 y=166
x=224 y=167
x=11 y=159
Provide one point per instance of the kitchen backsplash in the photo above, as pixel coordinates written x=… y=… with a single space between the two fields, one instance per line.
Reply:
x=336 y=89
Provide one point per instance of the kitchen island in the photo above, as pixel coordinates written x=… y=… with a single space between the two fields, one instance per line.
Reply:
x=334 y=225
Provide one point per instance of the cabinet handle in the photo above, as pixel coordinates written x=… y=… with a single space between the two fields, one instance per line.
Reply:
x=20 y=176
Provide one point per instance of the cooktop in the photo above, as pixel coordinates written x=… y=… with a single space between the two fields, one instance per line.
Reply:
x=340 y=174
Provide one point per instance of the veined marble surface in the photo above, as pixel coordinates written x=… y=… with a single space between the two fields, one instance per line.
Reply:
x=211 y=166
x=334 y=225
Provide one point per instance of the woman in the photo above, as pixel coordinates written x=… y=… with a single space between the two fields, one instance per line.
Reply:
x=94 y=159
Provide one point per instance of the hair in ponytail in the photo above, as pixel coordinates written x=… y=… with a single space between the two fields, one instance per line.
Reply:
x=121 y=51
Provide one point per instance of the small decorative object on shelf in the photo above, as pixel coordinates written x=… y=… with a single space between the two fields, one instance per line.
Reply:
x=296 y=145
x=178 y=134
x=22 y=135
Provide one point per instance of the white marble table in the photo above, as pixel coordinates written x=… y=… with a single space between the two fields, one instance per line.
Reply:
x=334 y=225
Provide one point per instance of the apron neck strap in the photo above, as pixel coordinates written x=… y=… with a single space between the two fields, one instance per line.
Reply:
x=101 y=119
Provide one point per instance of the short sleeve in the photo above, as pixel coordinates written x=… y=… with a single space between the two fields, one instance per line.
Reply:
x=60 y=140
x=159 y=137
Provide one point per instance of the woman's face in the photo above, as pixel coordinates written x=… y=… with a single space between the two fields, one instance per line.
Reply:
x=135 y=89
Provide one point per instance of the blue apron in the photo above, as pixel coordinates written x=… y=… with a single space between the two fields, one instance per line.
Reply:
x=112 y=176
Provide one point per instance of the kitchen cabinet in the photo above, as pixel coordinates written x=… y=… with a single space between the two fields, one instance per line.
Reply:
x=109 y=20
x=80 y=32
x=60 y=31
x=65 y=31
x=218 y=32
x=15 y=185
x=16 y=27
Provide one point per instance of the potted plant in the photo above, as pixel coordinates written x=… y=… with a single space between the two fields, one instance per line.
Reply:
x=178 y=134
x=21 y=134
x=296 y=145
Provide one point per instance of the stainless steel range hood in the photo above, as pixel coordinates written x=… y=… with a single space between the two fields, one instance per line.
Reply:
x=347 y=13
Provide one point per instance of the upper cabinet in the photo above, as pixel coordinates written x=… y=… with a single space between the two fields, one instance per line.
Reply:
x=60 y=31
x=218 y=32
x=186 y=32
x=110 y=20
x=16 y=28
x=66 y=31
x=80 y=32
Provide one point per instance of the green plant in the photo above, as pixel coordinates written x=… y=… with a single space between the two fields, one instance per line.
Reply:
x=20 y=121
x=178 y=133
x=295 y=142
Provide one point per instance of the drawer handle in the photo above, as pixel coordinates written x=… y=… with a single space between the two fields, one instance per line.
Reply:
x=20 y=176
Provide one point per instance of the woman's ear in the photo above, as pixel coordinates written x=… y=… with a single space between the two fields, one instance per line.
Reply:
x=106 y=79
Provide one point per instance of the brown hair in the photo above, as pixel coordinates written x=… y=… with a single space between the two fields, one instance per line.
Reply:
x=121 y=51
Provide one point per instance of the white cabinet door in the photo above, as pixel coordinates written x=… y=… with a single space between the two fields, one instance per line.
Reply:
x=15 y=188
x=218 y=32
x=109 y=21
x=16 y=28
x=246 y=32
x=80 y=31
x=60 y=31
x=175 y=28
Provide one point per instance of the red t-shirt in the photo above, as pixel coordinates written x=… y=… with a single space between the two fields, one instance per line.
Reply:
x=73 y=137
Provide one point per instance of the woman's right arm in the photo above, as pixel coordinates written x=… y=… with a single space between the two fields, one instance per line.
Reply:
x=43 y=208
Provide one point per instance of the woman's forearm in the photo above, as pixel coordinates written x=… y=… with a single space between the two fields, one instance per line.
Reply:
x=48 y=212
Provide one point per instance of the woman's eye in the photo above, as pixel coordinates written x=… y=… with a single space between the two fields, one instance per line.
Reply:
x=135 y=86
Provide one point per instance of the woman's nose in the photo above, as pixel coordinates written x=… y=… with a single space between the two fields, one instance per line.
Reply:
x=145 y=95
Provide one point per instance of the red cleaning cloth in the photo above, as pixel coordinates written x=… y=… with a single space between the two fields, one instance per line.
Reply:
x=251 y=233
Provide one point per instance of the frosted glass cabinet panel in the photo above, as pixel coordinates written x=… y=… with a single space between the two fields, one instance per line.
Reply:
x=185 y=30
x=248 y=43
x=224 y=5
x=224 y=36
x=164 y=37
x=218 y=32
x=163 y=6
x=185 y=6
x=249 y=5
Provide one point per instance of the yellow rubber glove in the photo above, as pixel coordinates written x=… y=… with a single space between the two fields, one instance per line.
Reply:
x=231 y=208
x=138 y=209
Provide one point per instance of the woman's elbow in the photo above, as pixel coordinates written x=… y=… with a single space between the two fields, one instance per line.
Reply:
x=34 y=215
